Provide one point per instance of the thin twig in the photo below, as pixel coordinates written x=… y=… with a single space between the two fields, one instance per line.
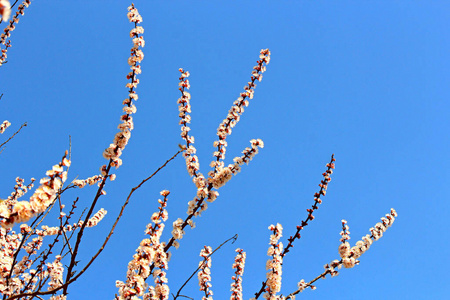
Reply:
x=68 y=282
x=234 y=238
x=308 y=284
x=4 y=143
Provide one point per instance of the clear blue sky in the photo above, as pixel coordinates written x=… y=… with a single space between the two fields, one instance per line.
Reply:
x=367 y=81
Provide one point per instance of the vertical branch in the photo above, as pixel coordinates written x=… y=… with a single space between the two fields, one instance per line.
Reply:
x=114 y=151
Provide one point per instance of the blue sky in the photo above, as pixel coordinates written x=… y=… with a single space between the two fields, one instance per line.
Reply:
x=366 y=81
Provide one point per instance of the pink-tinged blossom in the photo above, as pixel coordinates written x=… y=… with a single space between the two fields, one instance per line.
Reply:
x=55 y=271
x=12 y=212
x=237 y=109
x=224 y=174
x=178 y=231
x=81 y=183
x=12 y=282
x=5 y=12
x=184 y=108
x=221 y=174
x=4 y=125
x=150 y=252
x=20 y=189
x=114 y=151
x=274 y=264
x=58 y=297
x=349 y=256
x=238 y=265
x=204 y=274
x=345 y=233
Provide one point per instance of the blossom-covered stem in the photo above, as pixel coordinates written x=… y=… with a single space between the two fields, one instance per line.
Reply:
x=205 y=192
x=204 y=273
x=237 y=109
x=26 y=230
x=83 y=270
x=20 y=189
x=150 y=250
x=22 y=242
x=121 y=138
x=184 y=108
x=322 y=192
x=185 y=223
x=274 y=264
x=4 y=125
x=8 y=29
x=224 y=174
x=12 y=212
x=249 y=153
x=45 y=255
x=349 y=256
x=239 y=264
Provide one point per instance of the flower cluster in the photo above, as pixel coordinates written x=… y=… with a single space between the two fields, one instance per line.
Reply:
x=22 y=211
x=198 y=205
x=224 y=174
x=184 y=108
x=20 y=189
x=345 y=233
x=55 y=272
x=220 y=174
x=81 y=183
x=237 y=109
x=204 y=274
x=349 y=255
x=4 y=125
x=9 y=244
x=5 y=12
x=274 y=264
x=150 y=252
x=115 y=149
x=178 y=230
x=236 y=286
x=381 y=227
x=54 y=230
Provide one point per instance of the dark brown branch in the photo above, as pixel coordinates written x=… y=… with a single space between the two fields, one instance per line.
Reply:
x=323 y=187
x=74 y=278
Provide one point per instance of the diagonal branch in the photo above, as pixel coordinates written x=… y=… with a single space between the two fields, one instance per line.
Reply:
x=4 y=143
x=234 y=238
x=323 y=187
x=74 y=278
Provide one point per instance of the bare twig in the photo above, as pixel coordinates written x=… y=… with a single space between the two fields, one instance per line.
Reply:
x=234 y=238
x=4 y=143
x=74 y=278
